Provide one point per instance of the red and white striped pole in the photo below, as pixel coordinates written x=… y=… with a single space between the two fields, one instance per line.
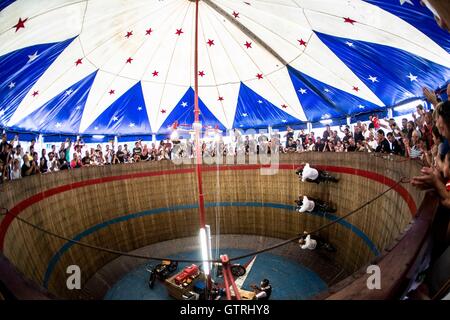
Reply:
x=198 y=147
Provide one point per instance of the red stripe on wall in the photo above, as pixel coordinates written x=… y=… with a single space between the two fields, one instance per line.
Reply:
x=6 y=222
x=362 y=173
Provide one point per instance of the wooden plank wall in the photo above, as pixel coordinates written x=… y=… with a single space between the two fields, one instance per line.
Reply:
x=73 y=211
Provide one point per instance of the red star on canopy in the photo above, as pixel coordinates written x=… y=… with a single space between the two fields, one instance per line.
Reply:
x=129 y=60
x=163 y=110
x=201 y=73
x=284 y=106
x=302 y=42
x=220 y=98
x=259 y=76
x=148 y=31
x=236 y=14
x=348 y=20
x=179 y=32
x=155 y=73
x=35 y=93
x=79 y=61
x=112 y=91
x=129 y=34
x=20 y=24
x=355 y=88
x=210 y=42
x=248 y=44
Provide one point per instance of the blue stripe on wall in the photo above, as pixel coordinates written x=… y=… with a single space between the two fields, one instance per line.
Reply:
x=55 y=259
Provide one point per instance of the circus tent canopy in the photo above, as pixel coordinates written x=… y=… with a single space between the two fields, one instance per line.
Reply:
x=126 y=67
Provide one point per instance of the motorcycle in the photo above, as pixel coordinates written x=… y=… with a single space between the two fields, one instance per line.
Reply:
x=237 y=270
x=161 y=271
x=165 y=269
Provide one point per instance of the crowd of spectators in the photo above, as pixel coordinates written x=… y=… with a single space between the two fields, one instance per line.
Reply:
x=421 y=138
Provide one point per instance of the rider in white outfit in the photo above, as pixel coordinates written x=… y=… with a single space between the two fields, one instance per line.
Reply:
x=307 y=205
x=308 y=243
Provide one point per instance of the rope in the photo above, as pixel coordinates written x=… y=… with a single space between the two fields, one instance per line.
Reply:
x=132 y=255
x=401 y=180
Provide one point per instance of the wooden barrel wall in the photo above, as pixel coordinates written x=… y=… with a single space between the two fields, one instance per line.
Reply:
x=238 y=196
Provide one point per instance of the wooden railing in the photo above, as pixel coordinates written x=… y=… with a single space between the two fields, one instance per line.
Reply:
x=14 y=286
x=397 y=264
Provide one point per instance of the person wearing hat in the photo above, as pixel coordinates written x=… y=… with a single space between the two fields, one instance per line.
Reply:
x=313 y=175
x=264 y=291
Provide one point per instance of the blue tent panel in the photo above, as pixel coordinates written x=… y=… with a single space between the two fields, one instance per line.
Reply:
x=339 y=105
x=391 y=84
x=302 y=125
x=381 y=114
x=22 y=136
x=54 y=138
x=336 y=122
x=418 y=16
x=313 y=105
x=19 y=72
x=161 y=137
x=126 y=115
x=253 y=112
x=134 y=138
x=184 y=114
x=62 y=113
x=98 y=139
x=5 y=3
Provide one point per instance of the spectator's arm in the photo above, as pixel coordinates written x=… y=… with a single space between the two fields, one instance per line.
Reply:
x=431 y=96
x=426 y=156
x=430 y=178
x=440 y=188
x=384 y=125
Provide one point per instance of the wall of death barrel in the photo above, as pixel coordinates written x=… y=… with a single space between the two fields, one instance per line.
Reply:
x=71 y=212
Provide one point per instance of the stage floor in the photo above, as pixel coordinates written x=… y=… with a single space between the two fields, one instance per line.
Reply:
x=290 y=280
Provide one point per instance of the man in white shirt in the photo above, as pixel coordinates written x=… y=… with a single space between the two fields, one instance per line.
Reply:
x=310 y=205
x=307 y=243
x=372 y=143
x=309 y=173
x=305 y=205
x=312 y=175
